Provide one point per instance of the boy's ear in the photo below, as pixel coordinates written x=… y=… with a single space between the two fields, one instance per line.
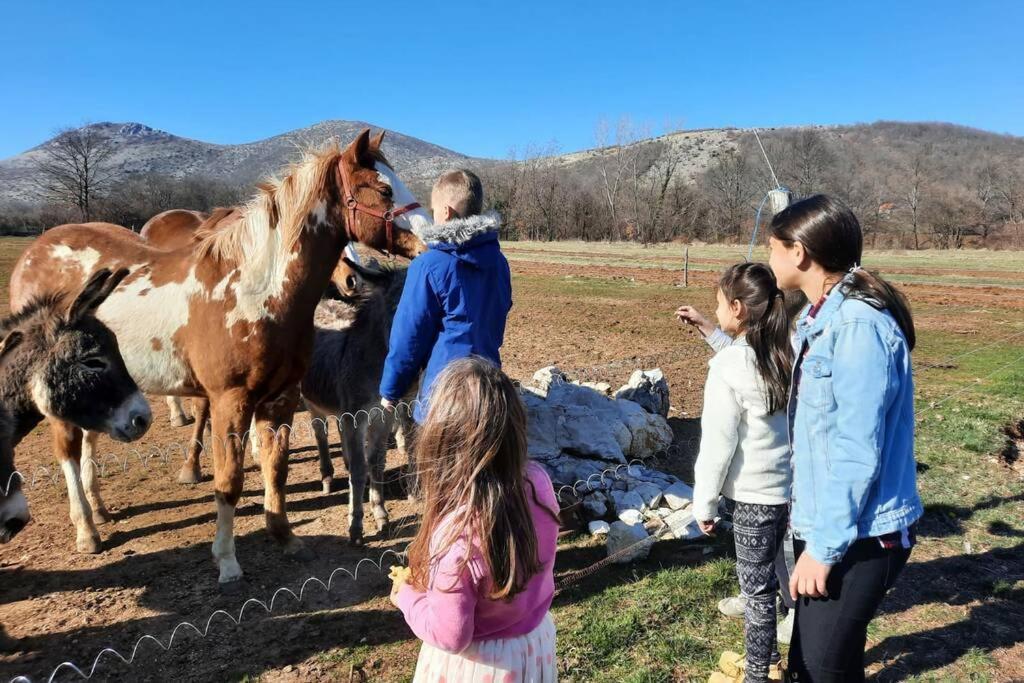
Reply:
x=450 y=213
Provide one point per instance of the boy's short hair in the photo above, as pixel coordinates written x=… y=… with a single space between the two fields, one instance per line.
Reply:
x=462 y=190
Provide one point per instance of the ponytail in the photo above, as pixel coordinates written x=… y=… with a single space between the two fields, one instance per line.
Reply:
x=767 y=326
x=831 y=235
x=874 y=290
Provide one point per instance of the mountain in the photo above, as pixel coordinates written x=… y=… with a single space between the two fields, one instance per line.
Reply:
x=142 y=150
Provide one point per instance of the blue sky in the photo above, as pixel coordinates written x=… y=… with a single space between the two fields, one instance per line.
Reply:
x=483 y=77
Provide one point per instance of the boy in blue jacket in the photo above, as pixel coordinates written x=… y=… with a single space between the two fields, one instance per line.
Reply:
x=456 y=296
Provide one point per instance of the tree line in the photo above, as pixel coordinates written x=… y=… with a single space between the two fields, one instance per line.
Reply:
x=912 y=185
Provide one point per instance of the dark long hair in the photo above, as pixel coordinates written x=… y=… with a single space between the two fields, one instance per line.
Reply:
x=767 y=326
x=832 y=237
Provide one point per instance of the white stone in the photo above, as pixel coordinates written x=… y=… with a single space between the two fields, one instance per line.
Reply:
x=682 y=526
x=650 y=493
x=631 y=516
x=632 y=536
x=648 y=388
x=599 y=528
x=678 y=496
x=626 y=500
x=649 y=434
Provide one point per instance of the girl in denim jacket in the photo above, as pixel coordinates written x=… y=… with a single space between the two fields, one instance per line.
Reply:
x=851 y=417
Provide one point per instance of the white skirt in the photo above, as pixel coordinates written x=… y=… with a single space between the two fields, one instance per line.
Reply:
x=522 y=659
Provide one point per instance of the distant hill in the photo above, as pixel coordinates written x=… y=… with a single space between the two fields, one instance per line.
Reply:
x=698 y=184
x=145 y=150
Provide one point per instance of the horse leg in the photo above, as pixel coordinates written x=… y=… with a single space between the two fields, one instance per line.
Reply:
x=273 y=426
x=179 y=418
x=230 y=414
x=323 y=447
x=190 y=472
x=90 y=478
x=377 y=434
x=353 y=439
x=67 y=445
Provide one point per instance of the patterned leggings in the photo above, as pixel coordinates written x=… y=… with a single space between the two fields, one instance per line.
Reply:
x=759 y=531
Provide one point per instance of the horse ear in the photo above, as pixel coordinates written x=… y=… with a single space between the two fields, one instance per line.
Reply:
x=360 y=147
x=10 y=342
x=377 y=141
x=95 y=292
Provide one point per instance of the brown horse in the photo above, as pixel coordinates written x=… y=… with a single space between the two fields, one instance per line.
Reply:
x=230 y=316
x=174 y=229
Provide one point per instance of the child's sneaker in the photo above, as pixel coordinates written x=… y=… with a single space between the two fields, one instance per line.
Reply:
x=732 y=664
x=733 y=607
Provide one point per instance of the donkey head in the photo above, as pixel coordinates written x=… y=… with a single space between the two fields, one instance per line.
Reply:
x=81 y=377
x=376 y=189
x=13 y=504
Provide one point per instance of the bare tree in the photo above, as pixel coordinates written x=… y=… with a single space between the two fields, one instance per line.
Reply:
x=618 y=155
x=915 y=191
x=729 y=189
x=74 y=168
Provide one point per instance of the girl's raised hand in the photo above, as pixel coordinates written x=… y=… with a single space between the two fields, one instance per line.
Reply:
x=691 y=316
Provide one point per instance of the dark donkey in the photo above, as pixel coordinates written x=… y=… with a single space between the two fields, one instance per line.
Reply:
x=343 y=379
x=60 y=363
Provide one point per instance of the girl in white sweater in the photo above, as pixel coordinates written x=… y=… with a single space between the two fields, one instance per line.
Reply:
x=744 y=448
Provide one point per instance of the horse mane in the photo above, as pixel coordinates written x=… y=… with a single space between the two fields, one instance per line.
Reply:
x=279 y=208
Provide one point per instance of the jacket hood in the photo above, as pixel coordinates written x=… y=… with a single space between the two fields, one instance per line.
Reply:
x=473 y=240
x=460 y=230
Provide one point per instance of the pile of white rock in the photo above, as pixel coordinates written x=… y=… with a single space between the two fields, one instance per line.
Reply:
x=591 y=440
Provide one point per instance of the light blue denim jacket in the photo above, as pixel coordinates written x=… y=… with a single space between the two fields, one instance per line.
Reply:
x=851 y=427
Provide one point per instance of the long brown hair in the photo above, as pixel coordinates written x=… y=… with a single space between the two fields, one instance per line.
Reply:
x=831 y=235
x=767 y=326
x=471 y=452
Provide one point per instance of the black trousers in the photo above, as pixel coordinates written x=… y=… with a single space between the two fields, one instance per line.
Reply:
x=830 y=633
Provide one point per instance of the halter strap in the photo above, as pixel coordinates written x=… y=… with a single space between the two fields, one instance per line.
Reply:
x=355 y=206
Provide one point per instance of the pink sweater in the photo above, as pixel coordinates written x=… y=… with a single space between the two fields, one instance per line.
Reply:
x=455 y=611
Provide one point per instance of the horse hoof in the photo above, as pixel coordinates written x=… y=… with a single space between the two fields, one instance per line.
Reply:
x=356 y=539
x=326 y=482
x=232 y=587
x=182 y=421
x=101 y=516
x=188 y=476
x=90 y=545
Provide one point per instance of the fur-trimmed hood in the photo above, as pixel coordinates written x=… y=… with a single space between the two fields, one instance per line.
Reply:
x=472 y=240
x=460 y=230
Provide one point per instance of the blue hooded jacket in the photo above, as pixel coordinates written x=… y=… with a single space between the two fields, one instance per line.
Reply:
x=454 y=304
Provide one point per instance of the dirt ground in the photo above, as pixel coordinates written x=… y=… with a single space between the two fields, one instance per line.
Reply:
x=156 y=571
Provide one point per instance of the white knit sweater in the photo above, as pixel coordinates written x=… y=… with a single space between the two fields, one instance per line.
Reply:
x=744 y=452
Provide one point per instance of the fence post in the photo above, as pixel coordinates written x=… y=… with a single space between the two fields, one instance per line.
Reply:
x=686 y=267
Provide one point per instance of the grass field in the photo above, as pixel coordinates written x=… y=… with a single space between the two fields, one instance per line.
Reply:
x=956 y=613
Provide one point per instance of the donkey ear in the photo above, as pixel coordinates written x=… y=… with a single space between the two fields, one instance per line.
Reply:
x=10 y=342
x=368 y=274
x=95 y=292
x=377 y=141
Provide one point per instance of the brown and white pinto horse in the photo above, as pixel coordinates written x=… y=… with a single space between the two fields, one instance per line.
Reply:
x=177 y=228
x=231 y=315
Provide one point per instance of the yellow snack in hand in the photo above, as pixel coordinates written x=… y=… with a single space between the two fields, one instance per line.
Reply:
x=398 y=574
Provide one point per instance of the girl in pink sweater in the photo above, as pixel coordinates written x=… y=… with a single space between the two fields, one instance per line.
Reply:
x=480 y=578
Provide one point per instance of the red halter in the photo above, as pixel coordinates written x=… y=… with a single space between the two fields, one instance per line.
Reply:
x=355 y=206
